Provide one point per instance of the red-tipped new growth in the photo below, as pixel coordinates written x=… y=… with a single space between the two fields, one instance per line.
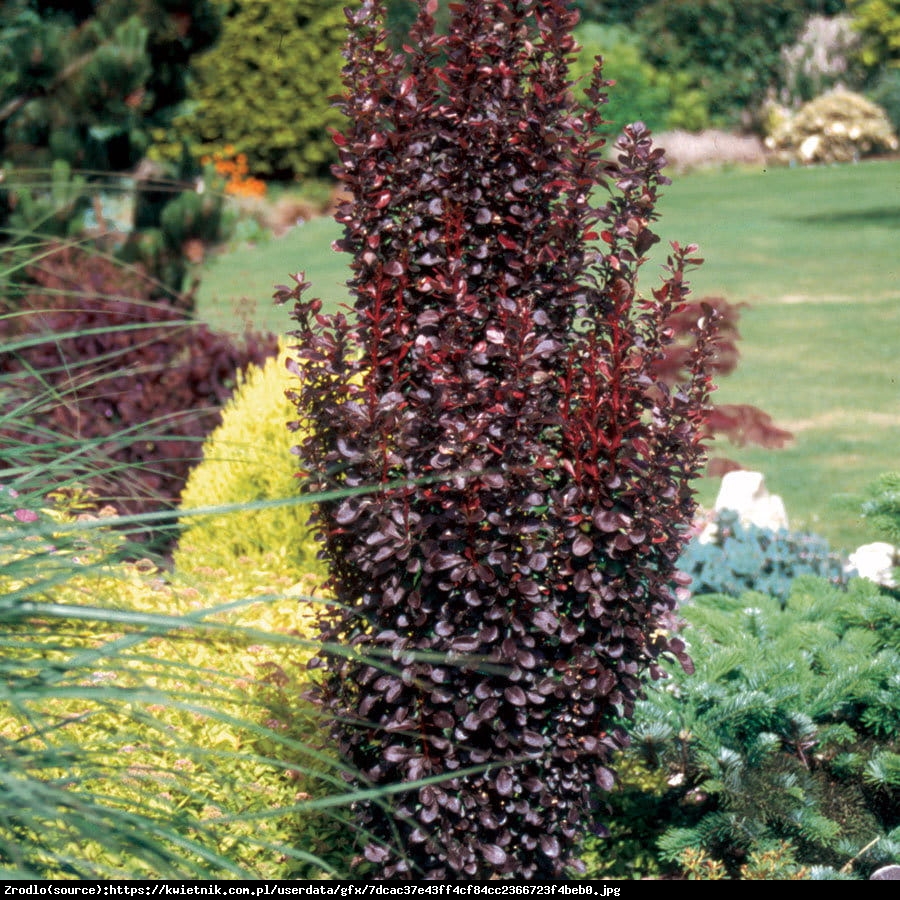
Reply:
x=516 y=565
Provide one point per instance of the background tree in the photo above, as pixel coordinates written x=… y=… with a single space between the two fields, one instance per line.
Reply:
x=265 y=89
x=85 y=82
x=609 y=11
x=400 y=16
x=659 y=99
x=731 y=50
x=878 y=22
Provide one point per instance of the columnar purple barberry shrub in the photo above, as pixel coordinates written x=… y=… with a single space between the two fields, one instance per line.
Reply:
x=507 y=572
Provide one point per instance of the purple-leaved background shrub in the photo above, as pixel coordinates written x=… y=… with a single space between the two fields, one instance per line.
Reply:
x=101 y=370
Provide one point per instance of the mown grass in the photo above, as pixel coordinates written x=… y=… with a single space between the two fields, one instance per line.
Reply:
x=238 y=284
x=814 y=254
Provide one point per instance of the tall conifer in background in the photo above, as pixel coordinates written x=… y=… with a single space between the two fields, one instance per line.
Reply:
x=85 y=82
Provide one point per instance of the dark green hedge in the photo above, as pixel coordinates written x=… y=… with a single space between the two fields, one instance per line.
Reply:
x=731 y=50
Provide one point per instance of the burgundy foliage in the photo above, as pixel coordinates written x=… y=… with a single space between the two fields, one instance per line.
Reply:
x=739 y=423
x=507 y=573
x=106 y=373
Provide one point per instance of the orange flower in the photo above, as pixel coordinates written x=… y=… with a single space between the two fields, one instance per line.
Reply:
x=235 y=169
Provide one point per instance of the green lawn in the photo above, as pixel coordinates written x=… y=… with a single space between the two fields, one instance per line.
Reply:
x=240 y=282
x=816 y=254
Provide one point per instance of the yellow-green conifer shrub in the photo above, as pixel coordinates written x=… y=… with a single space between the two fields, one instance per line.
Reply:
x=248 y=459
x=264 y=88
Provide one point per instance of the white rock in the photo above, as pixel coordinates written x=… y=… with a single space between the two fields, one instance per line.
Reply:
x=746 y=493
x=808 y=148
x=876 y=562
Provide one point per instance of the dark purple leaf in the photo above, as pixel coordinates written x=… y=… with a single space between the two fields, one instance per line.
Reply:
x=397 y=754
x=443 y=720
x=488 y=820
x=582 y=545
x=606 y=520
x=376 y=854
x=581 y=580
x=493 y=854
x=515 y=695
x=546 y=621
x=546 y=347
x=466 y=644
x=606 y=681
x=504 y=783
x=549 y=846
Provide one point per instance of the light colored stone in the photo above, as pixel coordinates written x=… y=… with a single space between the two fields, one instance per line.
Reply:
x=886 y=873
x=746 y=493
x=876 y=562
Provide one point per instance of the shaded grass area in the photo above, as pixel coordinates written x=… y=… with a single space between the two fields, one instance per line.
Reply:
x=814 y=254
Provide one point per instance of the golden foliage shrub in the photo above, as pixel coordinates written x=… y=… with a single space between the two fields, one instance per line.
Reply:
x=248 y=460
